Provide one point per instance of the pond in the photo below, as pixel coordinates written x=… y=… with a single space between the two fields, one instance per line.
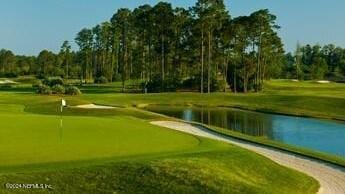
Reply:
x=321 y=135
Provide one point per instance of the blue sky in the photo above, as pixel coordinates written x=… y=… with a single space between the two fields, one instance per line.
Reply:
x=28 y=26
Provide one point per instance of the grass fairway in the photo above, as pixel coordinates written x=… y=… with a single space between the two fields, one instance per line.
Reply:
x=119 y=151
x=279 y=96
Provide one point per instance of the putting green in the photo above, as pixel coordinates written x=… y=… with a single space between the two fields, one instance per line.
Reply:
x=29 y=138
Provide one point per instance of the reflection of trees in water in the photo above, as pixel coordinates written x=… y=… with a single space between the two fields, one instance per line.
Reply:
x=251 y=123
x=255 y=124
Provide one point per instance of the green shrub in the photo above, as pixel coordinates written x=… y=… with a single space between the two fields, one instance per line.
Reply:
x=216 y=84
x=101 y=80
x=11 y=75
x=58 y=89
x=36 y=84
x=154 y=85
x=219 y=85
x=191 y=83
x=44 y=89
x=53 y=81
x=72 y=90
x=159 y=85
x=171 y=84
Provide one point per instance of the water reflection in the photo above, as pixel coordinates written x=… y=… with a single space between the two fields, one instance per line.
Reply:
x=323 y=135
x=240 y=121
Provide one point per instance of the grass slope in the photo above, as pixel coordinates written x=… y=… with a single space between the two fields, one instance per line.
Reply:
x=223 y=169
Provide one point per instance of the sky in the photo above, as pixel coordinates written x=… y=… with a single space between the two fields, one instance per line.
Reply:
x=29 y=26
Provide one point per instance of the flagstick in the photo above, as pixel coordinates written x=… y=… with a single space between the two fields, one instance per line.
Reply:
x=61 y=117
x=61 y=121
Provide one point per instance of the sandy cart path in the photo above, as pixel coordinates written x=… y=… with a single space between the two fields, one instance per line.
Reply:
x=331 y=178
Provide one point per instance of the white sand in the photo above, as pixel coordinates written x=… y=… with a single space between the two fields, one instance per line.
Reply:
x=7 y=82
x=93 y=106
x=323 y=82
x=331 y=178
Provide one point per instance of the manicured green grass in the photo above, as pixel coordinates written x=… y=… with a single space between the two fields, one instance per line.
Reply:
x=31 y=139
x=119 y=151
x=226 y=170
x=279 y=96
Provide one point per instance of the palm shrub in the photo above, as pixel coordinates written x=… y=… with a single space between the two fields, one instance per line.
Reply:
x=53 y=81
x=101 y=80
x=44 y=89
x=58 y=89
x=72 y=90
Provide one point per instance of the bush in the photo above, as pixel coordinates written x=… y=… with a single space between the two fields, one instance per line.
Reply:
x=53 y=81
x=72 y=90
x=219 y=85
x=216 y=84
x=159 y=85
x=44 y=89
x=171 y=84
x=191 y=83
x=11 y=75
x=101 y=80
x=58 y=89
x=36 y=84
x=154 y=85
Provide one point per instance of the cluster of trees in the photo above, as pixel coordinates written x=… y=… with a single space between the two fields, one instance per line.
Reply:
x=199 y=48
x=46 y=64
x=201 y=43
x=315 y=62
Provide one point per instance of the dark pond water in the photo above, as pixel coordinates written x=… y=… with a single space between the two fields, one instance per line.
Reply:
x=317 y=134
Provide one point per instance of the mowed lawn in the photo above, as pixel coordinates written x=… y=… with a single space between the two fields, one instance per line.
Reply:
x=279 y=96
x=30 y=139
x=119 y=151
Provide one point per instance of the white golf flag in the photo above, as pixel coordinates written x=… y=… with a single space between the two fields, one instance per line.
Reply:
x=63 y=103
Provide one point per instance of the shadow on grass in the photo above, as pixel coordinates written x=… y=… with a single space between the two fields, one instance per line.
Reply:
x=16 y=89
x=108 y=89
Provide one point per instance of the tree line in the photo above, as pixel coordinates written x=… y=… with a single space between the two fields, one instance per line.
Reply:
x=201 y=48
x=315 y=62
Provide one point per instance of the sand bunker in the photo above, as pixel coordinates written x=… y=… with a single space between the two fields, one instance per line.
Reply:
x=94 y=106
x=323 y=82
x=7 y=82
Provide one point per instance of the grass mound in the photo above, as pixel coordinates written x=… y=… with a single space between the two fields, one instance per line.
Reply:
x=229 y=170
